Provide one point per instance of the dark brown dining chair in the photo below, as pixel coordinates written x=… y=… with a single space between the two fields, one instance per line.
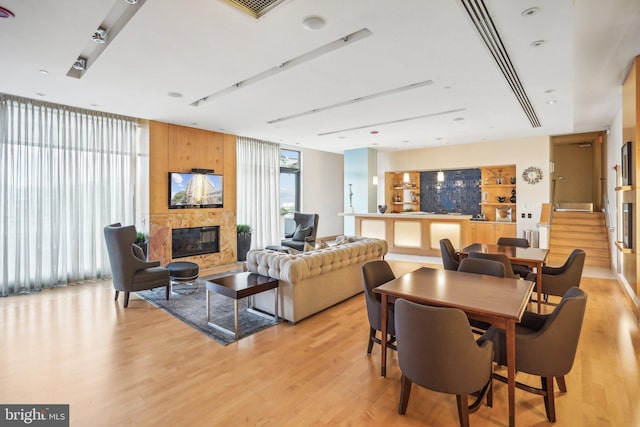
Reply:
x=519 y=242
x=376 y=273
x=557 y=280
x=450 y=259
x=545 y=345
x=130 y=271
x=437 y=351
x=481 y=266
x=501 y=258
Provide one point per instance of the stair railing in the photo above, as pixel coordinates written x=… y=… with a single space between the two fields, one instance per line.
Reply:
x=553 y=198
x=606 y=209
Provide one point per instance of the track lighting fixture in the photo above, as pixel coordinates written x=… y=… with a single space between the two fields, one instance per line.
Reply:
x=80 y=64
x=100 y=36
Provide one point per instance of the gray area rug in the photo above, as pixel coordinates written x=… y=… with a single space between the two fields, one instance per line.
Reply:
x=190 y=306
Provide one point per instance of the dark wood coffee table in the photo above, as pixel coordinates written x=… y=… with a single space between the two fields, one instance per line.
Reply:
x=238 y=286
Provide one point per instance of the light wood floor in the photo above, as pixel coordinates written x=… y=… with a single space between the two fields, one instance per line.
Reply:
x=142 y=367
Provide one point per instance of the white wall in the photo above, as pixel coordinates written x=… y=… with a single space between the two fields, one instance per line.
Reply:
x=523 y=152
x=322 y=180
x=614 y=157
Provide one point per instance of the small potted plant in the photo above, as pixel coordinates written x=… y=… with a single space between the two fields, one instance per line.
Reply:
x=244 y=241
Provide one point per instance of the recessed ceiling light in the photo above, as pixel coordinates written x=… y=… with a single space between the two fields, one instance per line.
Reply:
x=439 y=139
x=175 y=94
x=374 y=132
x=549 y=91
x=313 y=23
x=458 y=119
x=192 y=124
x=538 y=43
x=43 y=72
x=131 y=1
x=447 y=87
x=6 y=13
x=342 y=137
x=553 y=101
x=40 y=94
x=530 y=12
x=94 y=105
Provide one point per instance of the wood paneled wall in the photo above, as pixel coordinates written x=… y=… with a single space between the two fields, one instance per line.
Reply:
x=174 y=148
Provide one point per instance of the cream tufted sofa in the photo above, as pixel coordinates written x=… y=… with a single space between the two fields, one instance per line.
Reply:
x=312 y=281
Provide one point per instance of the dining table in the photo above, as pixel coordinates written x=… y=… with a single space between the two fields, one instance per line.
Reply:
x=531 y=257
x=497 y=300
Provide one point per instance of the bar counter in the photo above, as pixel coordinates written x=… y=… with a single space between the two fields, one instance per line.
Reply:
x=414 y=233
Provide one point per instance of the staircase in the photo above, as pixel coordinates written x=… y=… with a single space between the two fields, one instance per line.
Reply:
x=582 y=230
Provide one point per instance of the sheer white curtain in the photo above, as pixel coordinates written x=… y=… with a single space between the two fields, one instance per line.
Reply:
x=258 y=199
x=64 y=174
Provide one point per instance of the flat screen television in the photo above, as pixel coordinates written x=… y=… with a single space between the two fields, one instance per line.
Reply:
x=195 y=190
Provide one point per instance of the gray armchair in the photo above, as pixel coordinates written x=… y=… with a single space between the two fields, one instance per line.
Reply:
x=546 y=345
x=376 y=273
x=305 y=231
x=130 y=271
x=436 y=350
x=558 y=280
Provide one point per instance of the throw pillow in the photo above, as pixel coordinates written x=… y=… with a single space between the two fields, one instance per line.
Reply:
x=138 y=252
x=308 y=247
x=301 y=233
x=321 y=244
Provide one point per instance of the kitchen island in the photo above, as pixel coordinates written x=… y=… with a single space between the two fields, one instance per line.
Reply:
x=414 y=233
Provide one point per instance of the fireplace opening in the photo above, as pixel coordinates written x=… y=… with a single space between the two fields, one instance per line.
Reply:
x=194 y=241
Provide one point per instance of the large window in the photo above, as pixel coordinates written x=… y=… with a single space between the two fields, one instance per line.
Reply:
x=289 y=181
x=64 y=174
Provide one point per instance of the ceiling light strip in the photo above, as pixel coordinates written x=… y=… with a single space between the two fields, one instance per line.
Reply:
x=119 y=15
x=477 y=11
x=354 y=101
x=322 y=50
x=424 y=116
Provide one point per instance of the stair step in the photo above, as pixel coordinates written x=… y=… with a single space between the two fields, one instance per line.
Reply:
x=566 y=250
x=557 y=214
x=562 y=234
x=581 y=228
x=578 y=242
x=558 y=260
x=579 y=221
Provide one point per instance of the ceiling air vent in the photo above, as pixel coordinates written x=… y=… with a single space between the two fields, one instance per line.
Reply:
x=481 y=18
x=254 y=8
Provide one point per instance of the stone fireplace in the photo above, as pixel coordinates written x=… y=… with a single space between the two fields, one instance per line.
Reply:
x=186 y=242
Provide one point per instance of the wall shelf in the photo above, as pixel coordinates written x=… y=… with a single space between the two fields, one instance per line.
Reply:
x=623 y=249
x=491 y=190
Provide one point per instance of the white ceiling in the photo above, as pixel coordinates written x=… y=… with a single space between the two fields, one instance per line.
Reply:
x=200 y=47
